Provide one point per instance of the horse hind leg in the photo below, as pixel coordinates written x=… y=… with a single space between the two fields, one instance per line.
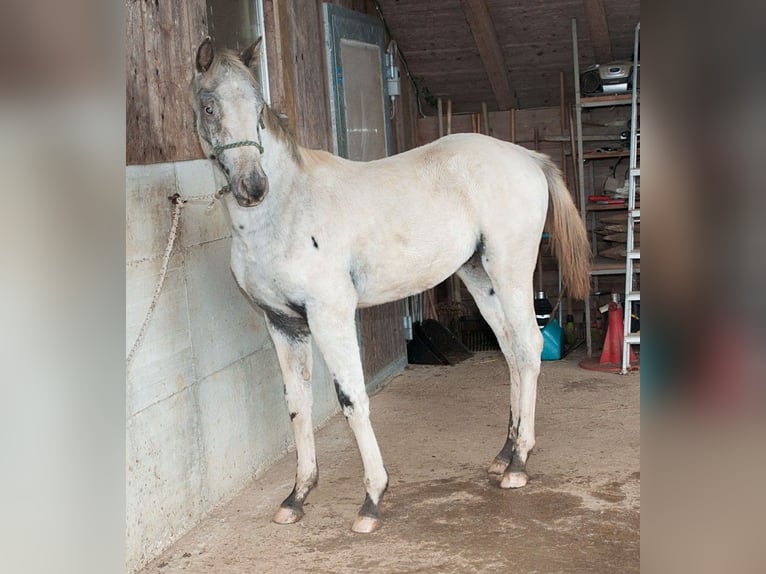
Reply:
x=510 y=315
x=293 y=346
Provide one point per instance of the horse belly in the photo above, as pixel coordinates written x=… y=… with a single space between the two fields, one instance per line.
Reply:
x=416 y=265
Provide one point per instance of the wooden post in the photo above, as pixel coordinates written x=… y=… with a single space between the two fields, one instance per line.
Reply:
x=564 y=163
x=485 y=115
x=430 y=307
x=575 y=175
x=563 y=121
x=513 y=125
x=441 y=119
x=453 y=283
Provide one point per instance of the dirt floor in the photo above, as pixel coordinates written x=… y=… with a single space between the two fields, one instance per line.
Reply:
x=439 y=428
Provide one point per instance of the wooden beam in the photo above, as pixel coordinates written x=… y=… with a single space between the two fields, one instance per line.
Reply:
x=477 y=15
x=595 y=16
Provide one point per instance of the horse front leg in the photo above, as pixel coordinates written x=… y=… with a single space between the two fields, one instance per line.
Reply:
x=293 y=345
x=334 y=329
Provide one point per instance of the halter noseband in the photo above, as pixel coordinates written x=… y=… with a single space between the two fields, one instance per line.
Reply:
x=219 y=148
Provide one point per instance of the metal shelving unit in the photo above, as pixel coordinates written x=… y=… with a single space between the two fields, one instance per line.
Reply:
x=601 y=265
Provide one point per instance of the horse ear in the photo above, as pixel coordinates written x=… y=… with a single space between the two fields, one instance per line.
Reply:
x=251 y=54
x=205 y=55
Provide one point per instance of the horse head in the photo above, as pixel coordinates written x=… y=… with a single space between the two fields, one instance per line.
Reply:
x=228 y=117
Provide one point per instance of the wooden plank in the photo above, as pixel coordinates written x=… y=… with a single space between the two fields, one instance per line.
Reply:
x=382 y=332
x=312 y=117
x=595 y=16
x=605 y=154
x=273 y=34
x=136 y=122
x=480 y=22
x=161 y=38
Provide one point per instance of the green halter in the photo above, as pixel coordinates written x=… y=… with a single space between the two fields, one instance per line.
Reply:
x=217 y=149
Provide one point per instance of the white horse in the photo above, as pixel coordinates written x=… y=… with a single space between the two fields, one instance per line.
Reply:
x=315 y=236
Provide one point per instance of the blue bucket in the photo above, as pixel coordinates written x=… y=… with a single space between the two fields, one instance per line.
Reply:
x=552 y=336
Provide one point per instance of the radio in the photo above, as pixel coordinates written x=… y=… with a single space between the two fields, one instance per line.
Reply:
x=610 y=78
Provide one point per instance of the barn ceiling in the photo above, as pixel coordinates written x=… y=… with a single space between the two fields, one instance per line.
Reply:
x=507 y=53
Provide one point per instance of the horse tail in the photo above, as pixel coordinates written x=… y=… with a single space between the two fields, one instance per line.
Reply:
x=569 y=238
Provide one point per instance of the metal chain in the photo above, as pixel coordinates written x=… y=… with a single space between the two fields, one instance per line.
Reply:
x=178 y=202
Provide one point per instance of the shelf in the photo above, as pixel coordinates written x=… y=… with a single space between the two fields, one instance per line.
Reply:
x=605 y=154
x=606 y=206
x=589 y=138
x=606 y=100
x=606 y=266
x=636 y=213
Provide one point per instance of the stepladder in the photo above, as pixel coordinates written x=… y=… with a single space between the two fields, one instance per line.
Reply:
x=633 y=251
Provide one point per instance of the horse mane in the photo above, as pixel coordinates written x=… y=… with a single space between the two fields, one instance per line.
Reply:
x=277 y=124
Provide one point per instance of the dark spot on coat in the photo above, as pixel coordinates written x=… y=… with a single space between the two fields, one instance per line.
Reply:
x=343 y=398
x=293 y=415
x=481 y=246
x=314 y=241
x=294 y=328
x=241 y=226
x=369 y=508
x=293 y=501
x=491 y=291
x=354 y=277
x=506 y=454
x=516 y=465
x=298 y=308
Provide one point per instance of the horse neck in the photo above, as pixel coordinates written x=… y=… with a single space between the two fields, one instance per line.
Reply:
x=278 y=160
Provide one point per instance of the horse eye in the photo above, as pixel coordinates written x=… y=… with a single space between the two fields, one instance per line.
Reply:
x=209 y=110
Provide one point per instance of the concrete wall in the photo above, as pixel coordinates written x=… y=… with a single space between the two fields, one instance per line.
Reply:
x=205 y=407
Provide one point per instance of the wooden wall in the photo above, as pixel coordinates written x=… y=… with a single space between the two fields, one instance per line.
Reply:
x=297 y=76
x=161 y=38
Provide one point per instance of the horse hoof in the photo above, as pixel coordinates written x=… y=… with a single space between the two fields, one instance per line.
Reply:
x=366 y=524
x=497 y=467
x=514 y=479
x=285 y=515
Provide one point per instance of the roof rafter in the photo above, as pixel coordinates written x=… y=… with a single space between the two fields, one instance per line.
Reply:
x=477 y=15
x=595 y=16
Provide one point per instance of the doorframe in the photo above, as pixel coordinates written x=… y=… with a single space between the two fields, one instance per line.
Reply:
x=367 y=29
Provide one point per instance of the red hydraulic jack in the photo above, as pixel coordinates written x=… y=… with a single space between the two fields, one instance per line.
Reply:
x=611 y=355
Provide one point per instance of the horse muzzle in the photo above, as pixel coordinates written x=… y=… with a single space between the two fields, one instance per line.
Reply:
x=250 y=191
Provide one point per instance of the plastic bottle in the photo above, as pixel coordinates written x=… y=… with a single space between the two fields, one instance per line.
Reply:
x=569 y=330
